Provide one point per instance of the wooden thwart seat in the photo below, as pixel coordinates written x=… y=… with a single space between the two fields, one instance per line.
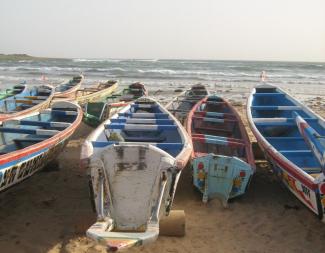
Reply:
x=45 y=124
x=145 y=115
x=275 y=107
x=29 y=131
x=100 y=144
x=142 y=121
x=140 y=127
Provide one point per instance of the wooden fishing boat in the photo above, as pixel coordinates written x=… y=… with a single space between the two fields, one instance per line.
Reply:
x=29 y=142
x=133 y=92
x=292 y=138
x=97 y=92
x=17 y=89
x=97 y=112
x=222 y=158
x=69 y=88
x=135 y=160
x=181 y=105
x=32 y=99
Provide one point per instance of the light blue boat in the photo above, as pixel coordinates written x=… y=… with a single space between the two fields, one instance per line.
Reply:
x=30 y=100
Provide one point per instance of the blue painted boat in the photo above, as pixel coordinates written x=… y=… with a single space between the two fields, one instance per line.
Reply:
x=292 y=138
x=29 y=142
x=135 y=160
x=30 y=100
x=222 y=158
x=69 y=88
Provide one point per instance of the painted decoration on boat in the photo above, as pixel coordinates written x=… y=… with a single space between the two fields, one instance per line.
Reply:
x=30 y=142
x=290 y=134
x=222 y=157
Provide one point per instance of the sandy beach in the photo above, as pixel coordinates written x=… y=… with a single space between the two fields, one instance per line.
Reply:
x=51 y=211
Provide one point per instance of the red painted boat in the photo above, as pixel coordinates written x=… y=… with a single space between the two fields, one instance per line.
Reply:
x=222 y=156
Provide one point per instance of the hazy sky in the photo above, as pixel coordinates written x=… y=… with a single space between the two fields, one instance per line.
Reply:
x=191 y=29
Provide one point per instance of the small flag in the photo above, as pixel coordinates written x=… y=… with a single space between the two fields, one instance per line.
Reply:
x=44 y=78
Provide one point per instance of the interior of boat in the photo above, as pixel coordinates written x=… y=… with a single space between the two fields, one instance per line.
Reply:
x=215 y=129
x=70 y=84
x=272 y=113
x=144 y=122
x=29 y=98
x=19 y=134
x=95 y=88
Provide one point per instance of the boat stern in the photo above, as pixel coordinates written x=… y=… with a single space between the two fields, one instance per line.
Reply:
x=221 y=177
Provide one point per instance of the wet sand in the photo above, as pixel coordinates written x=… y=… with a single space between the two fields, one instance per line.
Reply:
x=51 y=211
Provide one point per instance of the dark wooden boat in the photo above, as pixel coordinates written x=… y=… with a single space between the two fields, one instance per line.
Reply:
x=181 y=105
x=222 y=158
x=29 y=142
x=133 y=92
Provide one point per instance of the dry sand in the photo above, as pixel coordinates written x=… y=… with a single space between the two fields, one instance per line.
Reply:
x=50 y=211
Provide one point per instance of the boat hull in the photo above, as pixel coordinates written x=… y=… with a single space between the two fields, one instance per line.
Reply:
x=70 y=93
x=38 y=107
x=112 y=104
x=21 y=164
x=96 y=96
x=309 y=188
x=133 y=178
x=182 y=104
x=219 y=138
x=306 y=191
x=147 y=172
x=221 y=177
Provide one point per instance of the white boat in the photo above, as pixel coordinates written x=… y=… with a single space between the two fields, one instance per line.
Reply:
x=135 y=160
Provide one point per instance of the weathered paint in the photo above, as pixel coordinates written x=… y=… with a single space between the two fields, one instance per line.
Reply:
x=134 y=183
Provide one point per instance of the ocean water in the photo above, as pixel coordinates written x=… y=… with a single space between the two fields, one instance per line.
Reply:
x=164 y=73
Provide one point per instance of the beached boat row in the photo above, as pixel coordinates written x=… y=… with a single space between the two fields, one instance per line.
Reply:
x=135 y=156
x=36 y=123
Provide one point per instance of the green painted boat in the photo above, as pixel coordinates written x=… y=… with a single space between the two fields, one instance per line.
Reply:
x=97 y=112
x=17 y=89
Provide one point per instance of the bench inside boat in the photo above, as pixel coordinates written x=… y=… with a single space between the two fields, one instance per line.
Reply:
x=143 y=123
x=26 y=100
x=215 y=129
x=277 y=124
x=19 y=134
